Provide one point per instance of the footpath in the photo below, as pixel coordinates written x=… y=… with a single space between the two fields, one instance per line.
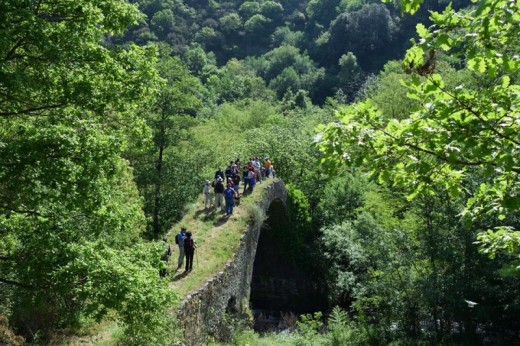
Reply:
x=217 y=236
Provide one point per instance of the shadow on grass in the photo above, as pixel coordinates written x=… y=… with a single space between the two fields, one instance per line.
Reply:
x=205 y=211
x=180 y=275
x=222 y=220
x=207 y=214
x=216 y=215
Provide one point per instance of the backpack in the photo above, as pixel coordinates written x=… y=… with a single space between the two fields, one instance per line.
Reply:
x=219 y=188
x=177 y=239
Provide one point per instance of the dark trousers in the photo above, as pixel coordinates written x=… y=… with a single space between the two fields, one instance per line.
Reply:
x=246 y=183
x=189 y=260
x=230 y=203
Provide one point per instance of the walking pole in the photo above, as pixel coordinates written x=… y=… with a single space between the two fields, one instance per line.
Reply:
x=197 y=259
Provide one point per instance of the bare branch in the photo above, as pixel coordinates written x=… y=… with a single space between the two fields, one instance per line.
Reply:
x=10 y=54
x=18 y=284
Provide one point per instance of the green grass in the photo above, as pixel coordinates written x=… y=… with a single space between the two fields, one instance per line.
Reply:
x=216 y=236
x=250 y=338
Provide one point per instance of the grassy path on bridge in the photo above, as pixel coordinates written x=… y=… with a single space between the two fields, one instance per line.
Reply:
x=217 y=237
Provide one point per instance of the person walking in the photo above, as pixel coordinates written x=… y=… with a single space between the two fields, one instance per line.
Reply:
x=179 y=240
x=256 y=165
x=229 y=195
x=189 y=250
x=267 y=165
x=252 y=179
x=208 y=197
x=245 y=176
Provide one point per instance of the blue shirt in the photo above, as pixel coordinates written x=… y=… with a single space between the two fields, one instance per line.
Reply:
x=181 y=238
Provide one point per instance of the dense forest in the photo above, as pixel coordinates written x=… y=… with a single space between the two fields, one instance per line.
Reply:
x=395 y=126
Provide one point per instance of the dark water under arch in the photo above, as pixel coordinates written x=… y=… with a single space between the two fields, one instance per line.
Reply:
x=279 y=285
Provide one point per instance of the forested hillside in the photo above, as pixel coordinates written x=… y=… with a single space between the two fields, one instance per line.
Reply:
x=319 y=47
x=394 y=125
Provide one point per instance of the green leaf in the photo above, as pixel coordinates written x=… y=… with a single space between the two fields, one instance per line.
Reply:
x=422 y=31
x=506 y=81
x=411 y=6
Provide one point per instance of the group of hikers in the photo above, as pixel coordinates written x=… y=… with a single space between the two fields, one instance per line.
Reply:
x=253 y=172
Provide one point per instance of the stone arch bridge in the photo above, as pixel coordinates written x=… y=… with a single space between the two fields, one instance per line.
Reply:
x=210 y=311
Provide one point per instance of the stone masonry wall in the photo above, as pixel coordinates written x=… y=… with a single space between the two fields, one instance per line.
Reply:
x=206 y=312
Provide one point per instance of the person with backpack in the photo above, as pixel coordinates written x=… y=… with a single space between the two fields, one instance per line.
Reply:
x=219 y=194
x=189 y=250
x=165 y=257
x=229 y=195
x=179 y=240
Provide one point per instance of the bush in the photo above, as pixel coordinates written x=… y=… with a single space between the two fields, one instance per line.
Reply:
x=7 y=336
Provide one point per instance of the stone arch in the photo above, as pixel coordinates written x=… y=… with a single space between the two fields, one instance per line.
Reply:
x=206 y=311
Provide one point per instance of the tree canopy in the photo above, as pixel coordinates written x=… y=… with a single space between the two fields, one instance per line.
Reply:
x=71 y=217
x=455 y=131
